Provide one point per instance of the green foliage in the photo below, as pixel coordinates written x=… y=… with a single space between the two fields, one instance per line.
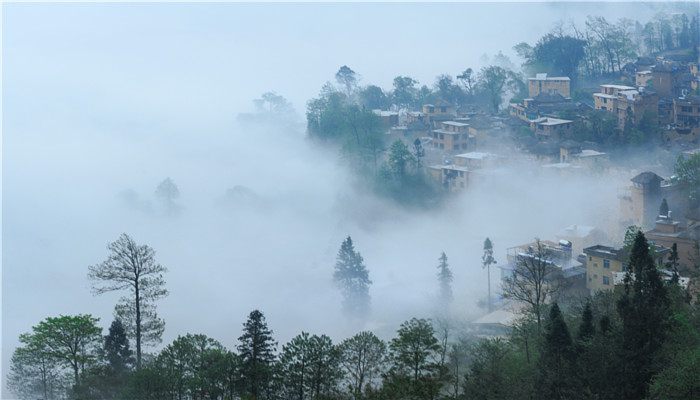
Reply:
x=373 y=97
x=405 y=93
x=256 y=348
x=557 y=379
x=362 y=358
x=498 y=371
x=560 y=55
x=309 y=367
x=352 y=278
x=35 y=372
x=644 y=310
x=403 y=179
x=415 y=371
x=687 y=172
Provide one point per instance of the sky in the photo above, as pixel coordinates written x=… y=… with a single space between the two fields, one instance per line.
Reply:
x=101 y=102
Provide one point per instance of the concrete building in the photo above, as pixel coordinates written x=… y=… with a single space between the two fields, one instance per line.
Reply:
x=642 y=78
x=453 y=178
x=546 y=128
x=639 y=203
x=669 y=231
x=476 y=160
x=451 y=137
x=626 y=102
x=582 y=236
x=542 y=83
x=686 y=112
x=434 y=114
x=603 y=262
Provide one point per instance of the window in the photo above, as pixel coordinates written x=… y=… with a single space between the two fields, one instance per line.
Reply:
x=431 y=109
x=606 y=280
x=443 y=109
x=606 y=263
x=590 y=258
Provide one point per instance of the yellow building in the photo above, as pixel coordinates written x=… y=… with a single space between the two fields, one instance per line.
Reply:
x=451 y=137
x=452 y=177
x=542 y=83
x=643 y=78
x=601 y=263
x=626 y=102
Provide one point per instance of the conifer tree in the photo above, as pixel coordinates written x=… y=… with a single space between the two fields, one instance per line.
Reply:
x=256 y=349
x=445 y=280
x=587 y=329
x=556 y=379
x=116 y=348
x=487 y=260
x=643 y=309
x=352 y=278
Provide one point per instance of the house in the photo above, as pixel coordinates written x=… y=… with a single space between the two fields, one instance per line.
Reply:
x=453 y=178
x=452 y=137
x=639 y=203
x=686 y=112
x=434 y=114
x=602 y=262
x=642 y=78
x=551 y=128
x=626 y=102
x=582 y=236
x=557 y=256
x=668 y=231
x=387 y=118
x=475 y=159
x=542 y=83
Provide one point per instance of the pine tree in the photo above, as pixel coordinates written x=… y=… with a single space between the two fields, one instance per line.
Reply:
x=643 y=309
x=487 y=260
x=556 y=379
x=256 y=349
x=672 y=263
x=116 y=348
x=352 y=278
x=587 y=329
x=445 y=280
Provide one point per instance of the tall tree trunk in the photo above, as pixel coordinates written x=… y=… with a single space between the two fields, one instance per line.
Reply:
x=138 y=325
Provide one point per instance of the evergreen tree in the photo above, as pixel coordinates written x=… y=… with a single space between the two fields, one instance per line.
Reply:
x=362 y=358
x=663 y=209
x=487 y=260
x=672 y=263
x=256 y=349
x=586 y=329
x=352 y=278
x=116 y=348
x=556 y=380
x=310 y=367
x=445 y=280
x=644 y=309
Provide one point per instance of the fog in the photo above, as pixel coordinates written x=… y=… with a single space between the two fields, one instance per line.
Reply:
x=102 y=102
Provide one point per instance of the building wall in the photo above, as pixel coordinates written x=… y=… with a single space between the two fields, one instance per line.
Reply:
x=537 y=86
x=597 y=270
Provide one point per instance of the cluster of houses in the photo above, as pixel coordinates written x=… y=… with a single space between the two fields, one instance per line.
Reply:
x=583 y=260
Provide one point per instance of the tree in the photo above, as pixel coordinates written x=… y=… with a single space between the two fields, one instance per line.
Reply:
x=405 y=92
x=468 y=81
x=273 y=104
x=560 y=54
x=663 y=208
x=372 y=97
x=133 y=268
x=418 y=151
x=415 y=368
x=672 y=263
x=534 y=280
x=347 y=78
x=167 y=192
x=497 y=372
x=445 y=280
x=687 y=171
x=309 y=367
x=116 y=348
x=362 y=359
x=256 y=349
x=70 y=340
x=446 y=90
x=492 y=81
x=643 y=309
x=630 y=235
x=557 y=374
x=586 y=329
x=34 y=371
x=352 y=278
x=487 y=260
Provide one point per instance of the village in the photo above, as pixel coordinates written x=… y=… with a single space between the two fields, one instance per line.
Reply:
x=462 y=144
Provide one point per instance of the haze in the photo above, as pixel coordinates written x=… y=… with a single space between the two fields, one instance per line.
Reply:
x=101 y=102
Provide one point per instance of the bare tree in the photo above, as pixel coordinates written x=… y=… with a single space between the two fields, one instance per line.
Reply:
x=535 y=279
x=132 y=267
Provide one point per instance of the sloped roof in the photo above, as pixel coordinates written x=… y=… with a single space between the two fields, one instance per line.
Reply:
x=646 y=177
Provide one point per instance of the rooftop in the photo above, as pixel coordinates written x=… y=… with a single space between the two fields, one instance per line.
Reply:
x=454 y=123
x=544 y=77
x=646 y=177
x=605 y=252
x=546 y=121
x=618 y=87
x=476 y=155
x=589 y=153
x=446 y=132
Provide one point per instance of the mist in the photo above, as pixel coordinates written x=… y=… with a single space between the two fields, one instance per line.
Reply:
x=102 y=102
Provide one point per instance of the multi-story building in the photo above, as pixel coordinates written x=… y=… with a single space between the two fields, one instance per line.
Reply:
x=451 y=137
x=669 y=231
x=542 y=83
x=640 y=202
x=434 y=114
x=452 y=177
x=642 y=78
x=686 y=112
x=603 y=262
x=551 y=128
x=627 y=103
